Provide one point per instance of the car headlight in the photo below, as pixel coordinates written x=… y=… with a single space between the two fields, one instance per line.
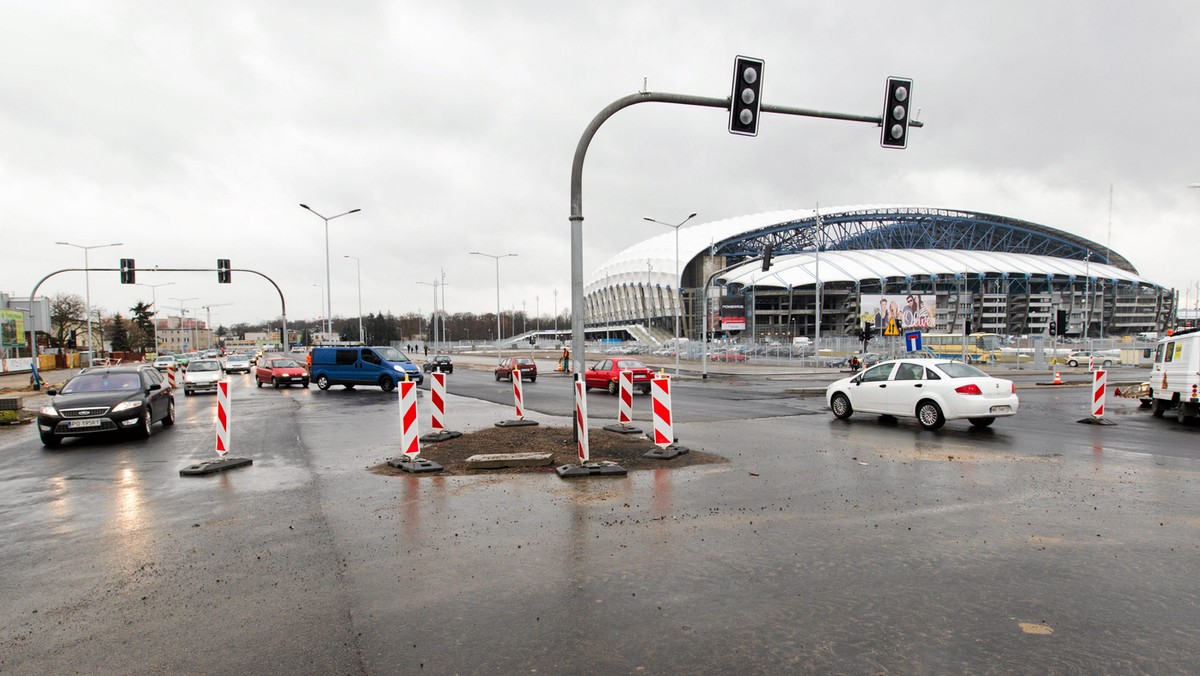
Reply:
x=126 y=405
x=49 y=410
x=398 y=367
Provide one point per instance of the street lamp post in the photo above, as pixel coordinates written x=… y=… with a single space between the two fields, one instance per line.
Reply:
x=322 y=288
x=183 y=316
x=678 y=282
x=87 y=285
x=358 y=265
x=328 y=286
x=433 y=322
x=154 y=304
x=497 y=258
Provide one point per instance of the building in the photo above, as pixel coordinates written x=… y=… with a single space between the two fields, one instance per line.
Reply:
x=955 y=268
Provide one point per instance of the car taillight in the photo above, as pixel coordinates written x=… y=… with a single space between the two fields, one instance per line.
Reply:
x=968 y=389
x=1014 y=388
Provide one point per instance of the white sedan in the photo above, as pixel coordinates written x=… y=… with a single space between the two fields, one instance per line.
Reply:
x=931 y=390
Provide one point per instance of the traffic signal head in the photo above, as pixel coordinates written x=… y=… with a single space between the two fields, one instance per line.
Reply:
x=223 y=274
x=897 y=108
x=127 y=271
x=768 y=251
x=746 y=98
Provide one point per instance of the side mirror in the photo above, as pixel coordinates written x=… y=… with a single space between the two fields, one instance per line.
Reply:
x=154 y=386
x=51 y=391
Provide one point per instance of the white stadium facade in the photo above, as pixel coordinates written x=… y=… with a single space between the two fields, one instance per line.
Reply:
x=991 y=273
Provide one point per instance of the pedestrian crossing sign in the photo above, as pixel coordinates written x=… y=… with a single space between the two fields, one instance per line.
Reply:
x=893 y=329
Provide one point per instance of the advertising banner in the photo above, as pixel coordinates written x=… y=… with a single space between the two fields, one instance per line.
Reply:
x=12 y=328
x=733 y=313
x=907 y=310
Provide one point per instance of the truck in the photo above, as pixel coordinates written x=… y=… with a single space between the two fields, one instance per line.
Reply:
x=1175 y=375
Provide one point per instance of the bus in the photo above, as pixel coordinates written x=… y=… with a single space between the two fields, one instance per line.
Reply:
x=981 y=347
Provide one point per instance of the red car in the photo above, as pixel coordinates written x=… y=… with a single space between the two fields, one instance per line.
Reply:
x=605 y=374
x=728 y=355
x=526 y=366
x=280 y=371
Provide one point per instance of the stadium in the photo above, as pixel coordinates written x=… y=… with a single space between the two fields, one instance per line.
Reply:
x=940 y=270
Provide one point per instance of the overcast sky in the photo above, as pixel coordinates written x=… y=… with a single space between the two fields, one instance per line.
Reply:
x=193 y=130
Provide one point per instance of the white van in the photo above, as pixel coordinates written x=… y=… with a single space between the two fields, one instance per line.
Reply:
x=1175 y=376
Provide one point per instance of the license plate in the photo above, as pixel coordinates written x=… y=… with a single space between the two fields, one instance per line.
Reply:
x=76 y=424
x=1001 y=409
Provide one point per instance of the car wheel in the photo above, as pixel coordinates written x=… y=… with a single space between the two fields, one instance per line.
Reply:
x=930 y=415
x=840 y=405
x=258 y=382
x=386 y=384
x=646 y=390
x=275 y=383
x=187 y=392
x=1072 y=363
x=144 y=426
x=613 y=387
x=304 y=384
x=323 y=382
x=1107 y=363
x=497 y=376
x=170 y=417
x=982 y=422
x=50 y=440
x=533 y=379
x=1181 y=412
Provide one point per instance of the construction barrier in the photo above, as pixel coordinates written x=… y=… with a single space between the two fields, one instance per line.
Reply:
x=518 y=394
x=437 y=397
x=1098 y=379
x=1057 y=378
x=410 y=445
x=1091 y=364
x=222 y=418
x=171 y=375
x=625 y=406
x=664 y=428
x=581 y=424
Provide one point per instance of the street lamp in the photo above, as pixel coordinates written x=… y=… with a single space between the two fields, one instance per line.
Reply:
x=322 y=288
x=497 y=258
x=154 y=304
x=328 y=285
x=87 y=284
x=183 y=315
x=358 y=263
x=678 y=284
x=433 y=328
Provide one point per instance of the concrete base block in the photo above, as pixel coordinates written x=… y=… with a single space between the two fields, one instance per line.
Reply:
x=1096 y=421
x=621 y=428
x=440 y=435
x=215 y=466
x=415 y=465
x=517 y=423
x=502 y=460
x=601 y=468
x=666 y=453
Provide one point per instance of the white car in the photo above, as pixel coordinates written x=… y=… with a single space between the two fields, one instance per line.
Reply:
x=237 y=363
x=202 y=375
x=931 y=390
x=162 y=361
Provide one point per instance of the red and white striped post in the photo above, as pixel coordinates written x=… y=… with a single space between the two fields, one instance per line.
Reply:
x=518 y=393
x=581 y=420
x=625 y=406
x=171 y=375
x=1091 y=364
x=1098 y=379
x=223 y=418
x=409 y=443
x=437 y=397
x=664 y=428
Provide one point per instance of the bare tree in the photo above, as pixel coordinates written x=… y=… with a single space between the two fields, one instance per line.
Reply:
x=68 y=312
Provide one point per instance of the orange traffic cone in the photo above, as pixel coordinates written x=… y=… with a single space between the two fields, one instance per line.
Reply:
x=1057 y=378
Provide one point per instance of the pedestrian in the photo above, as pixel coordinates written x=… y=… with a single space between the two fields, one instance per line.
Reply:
x=426 y=349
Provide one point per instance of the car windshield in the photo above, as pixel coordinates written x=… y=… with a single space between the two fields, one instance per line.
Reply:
x=284 y=364
x=960 y=370
x=237 y=357
x=391 y=354
x=204 y=366
x=102 y=382
x=630 y=364
x=522 y=362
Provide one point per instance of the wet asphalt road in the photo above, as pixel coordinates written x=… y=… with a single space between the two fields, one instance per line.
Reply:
x=823 y=545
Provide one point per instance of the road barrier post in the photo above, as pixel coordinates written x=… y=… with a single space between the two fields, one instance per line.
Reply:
x=410 y=443
x=223 y=461
x=625 y=405
x=664 y=421
x=437 y=400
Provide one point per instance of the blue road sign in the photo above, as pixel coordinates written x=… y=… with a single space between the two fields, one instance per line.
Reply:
x=912 y=341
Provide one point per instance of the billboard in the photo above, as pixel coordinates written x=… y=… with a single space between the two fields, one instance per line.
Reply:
x=908 y=310
x=733 y=313
x=12 y=328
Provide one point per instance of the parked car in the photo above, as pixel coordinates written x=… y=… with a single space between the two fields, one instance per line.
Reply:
x=280 y=371
x=185 y=358
x=932 y=390
x=728 y=356
x=351 y=366
x=605 y=375
x=1104 y=358
x=202 y=375
x=117 y=398
x=526 y=366
x=237 y=363
x=162 y=361
x=441 y=363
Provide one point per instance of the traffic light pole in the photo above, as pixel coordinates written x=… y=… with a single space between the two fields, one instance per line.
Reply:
x=577 y=309
x=37 y=381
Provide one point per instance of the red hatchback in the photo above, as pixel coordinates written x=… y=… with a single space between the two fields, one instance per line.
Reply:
x=525 y=366
x=280 y=371
x=605 y=374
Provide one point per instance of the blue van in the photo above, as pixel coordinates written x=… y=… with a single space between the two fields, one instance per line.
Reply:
x=350 y=366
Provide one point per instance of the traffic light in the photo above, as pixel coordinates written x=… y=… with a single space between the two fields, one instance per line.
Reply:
x=223 y=275
x=967 y=326
x=768 y=250
x=1062 y=322
x=1053 y=328
x=896 y=111
x=746 y=98
x=868 y=332
x=127 y=271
